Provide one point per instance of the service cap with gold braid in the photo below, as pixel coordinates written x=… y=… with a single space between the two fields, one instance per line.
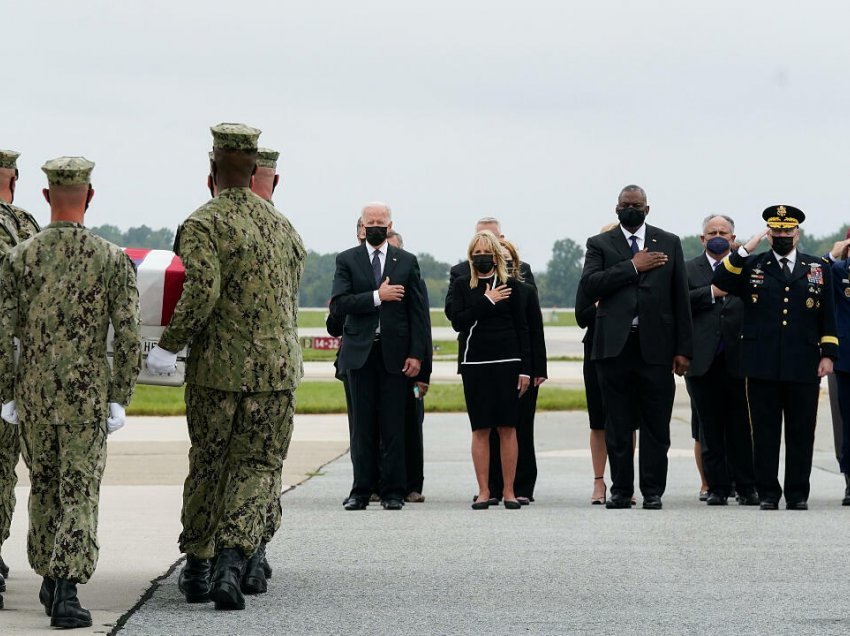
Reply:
x=9 y=159
x=229 y=136
x=783 y=217
x=64 y=171
x=267 y=158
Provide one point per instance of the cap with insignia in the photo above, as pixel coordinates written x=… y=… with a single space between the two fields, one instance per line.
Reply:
x=9 y=158
x=783 y=217
x=68 y=171
x=234 y=137
x=267 y=158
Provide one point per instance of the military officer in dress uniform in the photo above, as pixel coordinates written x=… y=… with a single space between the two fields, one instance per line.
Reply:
x=789 y=343
x=243 y=262
x=59 y=292
x=16 y=225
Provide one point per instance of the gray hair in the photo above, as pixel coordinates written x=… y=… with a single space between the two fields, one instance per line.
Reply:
x=728 y=219
x=394 y=234
x=378 y=204
x=487 y=220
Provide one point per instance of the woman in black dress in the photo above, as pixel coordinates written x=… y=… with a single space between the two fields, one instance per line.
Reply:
x=495 y=359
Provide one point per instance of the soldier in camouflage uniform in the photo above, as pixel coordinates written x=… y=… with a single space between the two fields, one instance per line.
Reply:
x=243 y=262
x=59 y=292
x=15 y=225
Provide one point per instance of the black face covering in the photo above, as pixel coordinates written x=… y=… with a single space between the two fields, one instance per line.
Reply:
x=783 y=245
x=631 y=217
x=376 y=235
x=483 y=263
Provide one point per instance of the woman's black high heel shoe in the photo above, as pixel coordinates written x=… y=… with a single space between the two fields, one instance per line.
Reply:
x=597 y=501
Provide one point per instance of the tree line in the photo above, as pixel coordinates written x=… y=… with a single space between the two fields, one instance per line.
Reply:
x=557 y=284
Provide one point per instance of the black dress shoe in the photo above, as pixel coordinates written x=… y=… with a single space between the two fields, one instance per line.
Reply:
x=715 y=499
x=392 y=504
x=844 y=502
x=512 y=504
x=523 y=501
x=4 y=569
x=480 y=505
x=796 y=505
x=2 y=584
x=769 y=505
x=353 y=503
x=254 y=578
x=194 y=580
x=67 y=611
x=46 y=594
x=652 y=502
x=226 y=580
x=616 y=502
x=748 y=498
x=492 y=501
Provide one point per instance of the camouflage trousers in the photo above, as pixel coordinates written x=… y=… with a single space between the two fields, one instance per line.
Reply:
x=239 y=441
x=10 y=450
x=66 y=468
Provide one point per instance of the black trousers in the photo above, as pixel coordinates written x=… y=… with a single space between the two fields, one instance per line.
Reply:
x=526 y=465
x=842 y=380
x=637 y=393
x=377 y=439
x=724 y=430
x=414 y=416
x=769 y=401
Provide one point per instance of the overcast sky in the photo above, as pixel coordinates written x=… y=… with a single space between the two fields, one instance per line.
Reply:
x=536 y=113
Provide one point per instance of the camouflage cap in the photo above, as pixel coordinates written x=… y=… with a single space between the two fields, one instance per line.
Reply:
x=267 y=158
x=234 y=137
x=68 y=171
x=9 y=158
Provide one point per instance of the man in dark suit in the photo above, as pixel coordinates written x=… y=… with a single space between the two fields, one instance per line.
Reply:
x=789 y=343
x=643 y=334
x=839 y=389
x=715 y=378
x=377 y=290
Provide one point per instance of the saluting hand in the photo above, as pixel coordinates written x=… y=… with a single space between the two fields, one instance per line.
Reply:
x=837 y=250
x=497 y=293
x=645 y=260
x=390 y=293
x=753 y=243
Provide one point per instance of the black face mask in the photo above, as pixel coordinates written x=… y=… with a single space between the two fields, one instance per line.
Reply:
x=376 y=235
x=783 y=245
x=631 y=217
x=483 y=263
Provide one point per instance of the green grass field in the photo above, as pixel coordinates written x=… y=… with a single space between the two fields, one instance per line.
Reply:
x=444 y=349
x=314 y=319
x=328 y=397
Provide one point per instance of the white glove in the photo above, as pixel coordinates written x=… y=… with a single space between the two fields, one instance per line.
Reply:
x=161 y=362
x=10 y=413
x=116 y=417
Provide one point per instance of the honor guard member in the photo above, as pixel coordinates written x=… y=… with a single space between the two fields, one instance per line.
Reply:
x=243 y=262
x=789 y=343
x=10 y=446
x=24 y=224
x=60 y=291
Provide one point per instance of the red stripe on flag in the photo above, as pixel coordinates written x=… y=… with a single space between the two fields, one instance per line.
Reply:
x=174 y=276
x=136 y=254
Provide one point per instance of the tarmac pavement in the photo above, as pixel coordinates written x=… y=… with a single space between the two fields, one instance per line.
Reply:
x=559 y=566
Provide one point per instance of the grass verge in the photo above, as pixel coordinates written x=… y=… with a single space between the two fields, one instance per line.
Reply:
x=313 y=319
x=328 y=397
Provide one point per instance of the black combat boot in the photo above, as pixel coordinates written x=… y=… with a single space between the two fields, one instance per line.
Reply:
x=67 y=611
x=2 y=584
x=254 y=578
x=4 y=569
x=194 y=580
x=267 y=569
x=846 y=500
x=226 y=577
x=46 y=594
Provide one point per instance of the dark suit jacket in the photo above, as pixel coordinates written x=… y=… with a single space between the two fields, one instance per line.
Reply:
x=462 y=269
x=658 y=297
x=841 y=289
x=404 y=331
x=788 y=326
x=713 y=321
x=534 y=318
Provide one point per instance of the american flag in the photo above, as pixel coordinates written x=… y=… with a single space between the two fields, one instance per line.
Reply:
x=159 y=277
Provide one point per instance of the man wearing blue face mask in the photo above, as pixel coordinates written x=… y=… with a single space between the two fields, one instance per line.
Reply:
x=715 y=379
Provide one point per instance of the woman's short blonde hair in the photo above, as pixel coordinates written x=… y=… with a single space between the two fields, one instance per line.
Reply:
x=491 y=243
x=515 y=272
x=608 y=227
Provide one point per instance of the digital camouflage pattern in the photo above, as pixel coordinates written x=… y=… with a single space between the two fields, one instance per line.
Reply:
x=64 y=171
x=243 y=262
x=58 y=293
x=20 y=220
x=235 y=136
x=67 y=467
x=267 y=158
x=239 y=441
x=8 y=232
x=9 y=159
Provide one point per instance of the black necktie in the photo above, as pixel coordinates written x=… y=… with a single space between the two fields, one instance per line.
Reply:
x=376 y=267
x=785 y=269
x=633 y=238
